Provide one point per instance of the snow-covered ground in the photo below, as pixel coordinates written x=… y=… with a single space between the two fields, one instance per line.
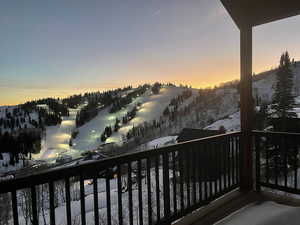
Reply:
x=264 y=88
x=266 y=213
x=6 y=167
x=9 y=109
x=160 y=142
x=60 y=214
x=56 y=139
x=297 y=108
x=152 y=108
x=231 y=123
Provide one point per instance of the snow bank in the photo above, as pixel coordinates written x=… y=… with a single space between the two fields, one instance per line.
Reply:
x=160 y=142
x=231 y=123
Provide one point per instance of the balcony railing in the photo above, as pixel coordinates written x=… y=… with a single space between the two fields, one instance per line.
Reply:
x=277 y=161
x=150 y=187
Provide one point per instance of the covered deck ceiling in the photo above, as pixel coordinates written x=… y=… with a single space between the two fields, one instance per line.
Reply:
x=257 y=12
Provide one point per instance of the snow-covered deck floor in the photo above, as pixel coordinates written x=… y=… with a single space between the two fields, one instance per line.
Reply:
x=264 y=213
x=247 y=208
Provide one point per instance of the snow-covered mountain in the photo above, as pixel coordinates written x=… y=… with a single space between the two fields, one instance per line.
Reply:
x=263 y=87
x=151 y=108
x=221 y=109
x=225 y=113
x=16 y=117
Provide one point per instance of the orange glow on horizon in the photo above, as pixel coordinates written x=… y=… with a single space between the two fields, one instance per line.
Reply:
x=197 y=78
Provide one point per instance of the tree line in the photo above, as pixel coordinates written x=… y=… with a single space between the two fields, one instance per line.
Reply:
x=95 y=102
x=21 y=143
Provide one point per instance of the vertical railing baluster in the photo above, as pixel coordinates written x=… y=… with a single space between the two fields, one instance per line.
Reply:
x=181 y=172
x=68 y=201
x=130 y=203
x=232 y=161
x=194 y=174
x=96 y=206
x=285 y=149
x=296 y=167
x=174 y=183
x=119 y=184
x=238 y=158
x=215 y=164
x=15 y=207
x=199 y=168
x=257 y=159
x=267 y=159
x=166 y=185
x=157 y=187
x=225 y=154
x=140 y=196
x=220 y=165
x=108 y=203
x=149 y=191
x=237 y=152
x=35 y=220
x=211 y=169
x=82 y=201
x=51 y=203
x=187 y=167
x=229 y=161
x=276 y=162
x=206 y=170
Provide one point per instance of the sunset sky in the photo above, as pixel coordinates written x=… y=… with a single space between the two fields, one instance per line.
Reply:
x=61 y=47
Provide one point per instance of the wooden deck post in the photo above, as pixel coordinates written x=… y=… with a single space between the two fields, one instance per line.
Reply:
x=246 y=105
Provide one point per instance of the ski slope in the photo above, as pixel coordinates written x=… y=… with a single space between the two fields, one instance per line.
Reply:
x=56 y=138
x=152 y=107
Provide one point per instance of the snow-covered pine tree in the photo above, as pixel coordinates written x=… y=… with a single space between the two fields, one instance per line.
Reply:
x=283 y=99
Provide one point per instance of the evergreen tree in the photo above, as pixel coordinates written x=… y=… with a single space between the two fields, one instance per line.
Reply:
x=103 y=137
x=283 y=99
x=166 y=111
x=155 y=88
x=261 y=116
x=117 y=125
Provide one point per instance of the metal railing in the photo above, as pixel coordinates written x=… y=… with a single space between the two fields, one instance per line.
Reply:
x=151 y=187
x=277 y=161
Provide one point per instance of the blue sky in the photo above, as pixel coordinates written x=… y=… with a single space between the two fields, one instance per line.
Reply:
x=60 y=47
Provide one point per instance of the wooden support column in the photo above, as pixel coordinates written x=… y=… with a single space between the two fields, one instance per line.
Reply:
x=246 y=105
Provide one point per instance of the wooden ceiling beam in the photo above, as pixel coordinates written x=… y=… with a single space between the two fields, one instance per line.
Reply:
x=257 y=12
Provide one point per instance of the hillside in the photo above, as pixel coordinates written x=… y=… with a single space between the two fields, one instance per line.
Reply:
x=148 y=115
x=263 y=89
x=151 y=108
x=264 y=86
